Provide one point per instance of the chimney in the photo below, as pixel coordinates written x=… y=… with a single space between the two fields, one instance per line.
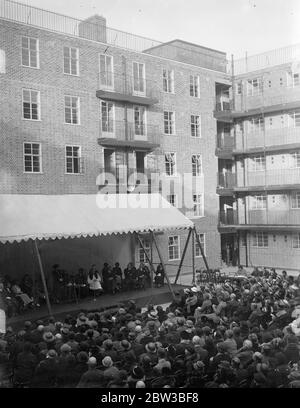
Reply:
x=93 y=28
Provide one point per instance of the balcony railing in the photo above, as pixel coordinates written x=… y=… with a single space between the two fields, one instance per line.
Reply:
x=260 y=217
x=129 y=85
x=274 y=177
x=223 y=105
x=122 y=130
x=271 y=137
x=225 y=142
x=226 y=180
x=228 y=217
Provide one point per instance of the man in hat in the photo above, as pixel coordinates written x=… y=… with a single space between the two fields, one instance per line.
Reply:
x=110 y=371
x=92 y=378
x=46 y=371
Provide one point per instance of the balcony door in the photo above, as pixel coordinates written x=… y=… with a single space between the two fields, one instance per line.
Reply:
x=107 y=119
x=106 y=71
x=139 y=81
x=140 y=123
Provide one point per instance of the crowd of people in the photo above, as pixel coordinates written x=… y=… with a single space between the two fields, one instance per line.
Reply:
x=19 y=296
x=242 y=332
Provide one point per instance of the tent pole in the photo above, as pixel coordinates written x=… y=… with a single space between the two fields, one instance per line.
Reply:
x=193 y=255
x=183 y=255
x=163 y=265
x=43 y=277
x=148 y=258
x=201 y=249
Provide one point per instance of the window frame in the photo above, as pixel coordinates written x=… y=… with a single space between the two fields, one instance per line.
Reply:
x=38 y=104
x=176 y=246
x=112 y=71
x=262 y=162
x=294 y=238
x=196 y=203
x=79 y=160
x=197 y=248
x=196 y=126
x=135 y=92
x=29 y=57
x=175 y=196
x=256 y=243
x=259 y=202
x=295 y=198
x=194 y=165
x=144 y=120
x=175 y=164
x=195 y=85
x=31 y=155
x=78 y=109
x=147 y=248
x=102 y=102
x=70 y=61
x=172 y=123
x=169 y=81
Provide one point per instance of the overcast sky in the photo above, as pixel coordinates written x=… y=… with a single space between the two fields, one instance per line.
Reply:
x=233 y=26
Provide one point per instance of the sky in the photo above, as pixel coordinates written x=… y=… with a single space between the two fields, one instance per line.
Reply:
x=232 y=26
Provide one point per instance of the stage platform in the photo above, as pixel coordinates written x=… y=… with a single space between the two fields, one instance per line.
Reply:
x=142 y=298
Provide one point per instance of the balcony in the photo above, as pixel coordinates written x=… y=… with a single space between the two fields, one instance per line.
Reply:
x=123 y=179
x=125 y=134
x=225 y=145
x=274 y=179
x=274 y=139
x=223 y=109
x=126 y=88
x=226 y=183
x=228 y=218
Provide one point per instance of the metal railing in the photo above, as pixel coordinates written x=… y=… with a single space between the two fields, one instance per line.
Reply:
x=224 y=106
x=128 y=85
x=228 y=217
x=270 y=137
x=274 y=177
x=225 y=142
x=122 y=130
x=45 y=19
x=226 y=180
x=257 y=217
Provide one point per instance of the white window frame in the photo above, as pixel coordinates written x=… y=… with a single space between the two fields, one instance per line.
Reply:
x=195 y=86
x=259 y=163
x=296 y=241
x=27 y=154
x=141 y=124
x=293 y=79
x=254 y=90
x=174 y=173
x=258 y=239
x=197 y=248
x=173 y=200
x=30 y=102
x=139 y=92
x=70 y=59
x=295 y=201
x=197 y=165
x=296 y=160
x=196 y=126
x=147 y=245
x=30 y=51
x=107 y=120
x=171 y=124
x=105 y=83
x=198 y=203
x=77 y=108
x=259 y=202
x=294 y=119
x=174 y=246
x=168 y=80
x=79 y=157
x=256 y=124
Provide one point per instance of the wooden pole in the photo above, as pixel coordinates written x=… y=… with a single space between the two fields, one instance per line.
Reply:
x=43 y=277
x=183 y=255
x=201 y=249
x=163 y=265
x=148 y=259
x=193 y=255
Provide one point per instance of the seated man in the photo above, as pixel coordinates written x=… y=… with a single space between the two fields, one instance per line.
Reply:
x=117 y=273
x=159 y=276
x=130 y=276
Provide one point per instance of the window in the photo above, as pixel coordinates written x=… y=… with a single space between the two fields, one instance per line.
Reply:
x=296 y=200
x=239 y=87
x=256 y=124
x=195 y=86
x=260 y=240
x=172 y=198
x=72 y=110
x=259 y=202
x=31 y=104
x=197 y=247
x=254 y=87
x=2 y=62
x=147 y=245
x=32 y=158
x=195 y=126
x=71 y=61
x=259 y=163
x=30 y=52
x=73 y=159
x=197 y=165
x=296 y=241
x=139 y=83
x=296 y=160
x=140 y=121
x=107 y=117
x=106 y=71
x=293 y=79
x=170 y=163
x=243 y=240
x=294 y=119
x=168 y=80
x=198 y=207
x=169 y=123
x=173 y=248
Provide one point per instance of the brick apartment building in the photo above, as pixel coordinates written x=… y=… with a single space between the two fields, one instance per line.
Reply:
x=85 y=108
x=258 y=121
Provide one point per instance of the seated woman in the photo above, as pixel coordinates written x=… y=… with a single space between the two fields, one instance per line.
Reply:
x=94 y=281
x=117 y=272
x=159 y=276
x=27 y=285
x=24 y=299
